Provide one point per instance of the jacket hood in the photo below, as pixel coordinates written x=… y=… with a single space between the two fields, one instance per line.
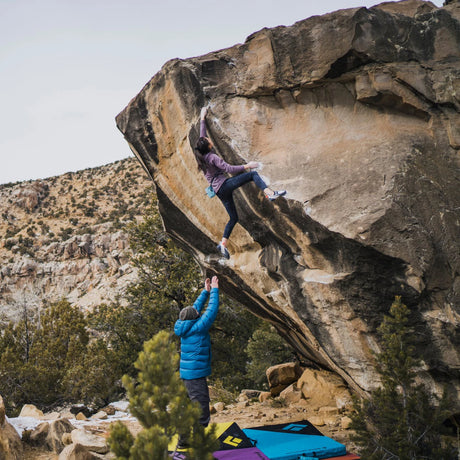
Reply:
x=182 y=327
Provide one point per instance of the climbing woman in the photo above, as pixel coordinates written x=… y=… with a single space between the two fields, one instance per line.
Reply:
x=214 y=169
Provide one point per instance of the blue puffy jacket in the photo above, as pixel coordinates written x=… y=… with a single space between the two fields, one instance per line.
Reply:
x=195 y=342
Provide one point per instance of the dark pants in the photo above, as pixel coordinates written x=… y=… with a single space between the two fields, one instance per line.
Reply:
x=198 y=390
x=225 y=194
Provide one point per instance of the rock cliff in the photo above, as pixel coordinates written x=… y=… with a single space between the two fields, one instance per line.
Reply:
x=356 y=114
x=64 y=237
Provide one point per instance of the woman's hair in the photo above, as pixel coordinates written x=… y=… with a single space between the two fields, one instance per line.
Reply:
x=202 y=148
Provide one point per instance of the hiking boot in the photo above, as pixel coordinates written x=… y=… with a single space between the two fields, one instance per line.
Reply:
x=222 y=250
x=276 y=194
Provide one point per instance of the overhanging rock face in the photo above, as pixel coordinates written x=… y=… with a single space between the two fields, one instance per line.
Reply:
x=356 y=114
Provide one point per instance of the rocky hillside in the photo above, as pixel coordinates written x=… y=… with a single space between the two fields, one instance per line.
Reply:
x=65 y=236
x=357 y=114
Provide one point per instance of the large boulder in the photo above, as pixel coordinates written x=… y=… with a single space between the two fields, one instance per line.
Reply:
x=281 y=376
x=323 y=389
x=356 y=113
x=10 y=441
x=50 y=435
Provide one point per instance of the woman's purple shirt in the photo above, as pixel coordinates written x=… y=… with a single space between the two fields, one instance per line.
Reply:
x=215 y=166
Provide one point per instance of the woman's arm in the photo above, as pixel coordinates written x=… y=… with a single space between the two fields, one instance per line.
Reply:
x=203 y=114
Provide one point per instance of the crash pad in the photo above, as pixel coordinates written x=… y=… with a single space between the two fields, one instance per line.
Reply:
x=289 y=441
x=252 y=453
x=230 y=437
x=348 y=456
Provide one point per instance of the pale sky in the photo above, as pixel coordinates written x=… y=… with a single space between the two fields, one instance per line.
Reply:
x=68 y=67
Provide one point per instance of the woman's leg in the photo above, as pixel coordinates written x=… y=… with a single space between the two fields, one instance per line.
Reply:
x=231 y=210
x=237 y=181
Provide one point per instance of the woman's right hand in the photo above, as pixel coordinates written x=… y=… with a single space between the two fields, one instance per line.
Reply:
x=204 y=112
x=252 y=165
x=215 y=282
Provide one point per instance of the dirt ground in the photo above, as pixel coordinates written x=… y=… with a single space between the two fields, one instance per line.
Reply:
x=329 y=421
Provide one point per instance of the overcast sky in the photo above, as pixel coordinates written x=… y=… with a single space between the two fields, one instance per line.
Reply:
x=68 y=67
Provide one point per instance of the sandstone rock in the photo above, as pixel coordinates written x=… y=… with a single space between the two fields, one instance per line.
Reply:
x=322 y=388
x=30 y=194
x=109 y=410
x=56 y=431
x=67 y=439
x=38 y=436
x=264 y=396
x=317 y=420
x=219 y=406
x=81 y=416
x=10 y=443
x=291 y=394
x=29 y=410
x=76 y=452
x=281 y=376
x=251 y=394
x=328 y=410
x=345 y=422
x=361 y=130
x=2 y=411
x=101 y=415
x=242 y=404
x=51 y=416
x=90 y=441
x=242 y=397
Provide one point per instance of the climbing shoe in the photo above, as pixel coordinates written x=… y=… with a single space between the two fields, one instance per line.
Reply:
x=181 y=445
x=276 y=194
x=222 y=250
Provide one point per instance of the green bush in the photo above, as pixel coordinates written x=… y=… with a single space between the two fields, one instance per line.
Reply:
x=266 y=348
x=49 y=360
x=401 y=420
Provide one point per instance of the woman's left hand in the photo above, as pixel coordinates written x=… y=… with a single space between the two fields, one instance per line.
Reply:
x=252 y=165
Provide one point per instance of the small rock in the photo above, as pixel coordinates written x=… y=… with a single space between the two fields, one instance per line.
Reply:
x=345 y=422
x=291 y=394
x=29 y=410
x=264 y=396
x=101 y=415
x=243 y=404
x=251 y=394
x=243 y=397
x=331 y=420
x=52 y=416
x=329 y=410
x=212 y=410
x=76 y=452
x=317 y=421
x=219 y=406
x=81 y=416
x=66 y=439
x=109 y=410
x=91 y=441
